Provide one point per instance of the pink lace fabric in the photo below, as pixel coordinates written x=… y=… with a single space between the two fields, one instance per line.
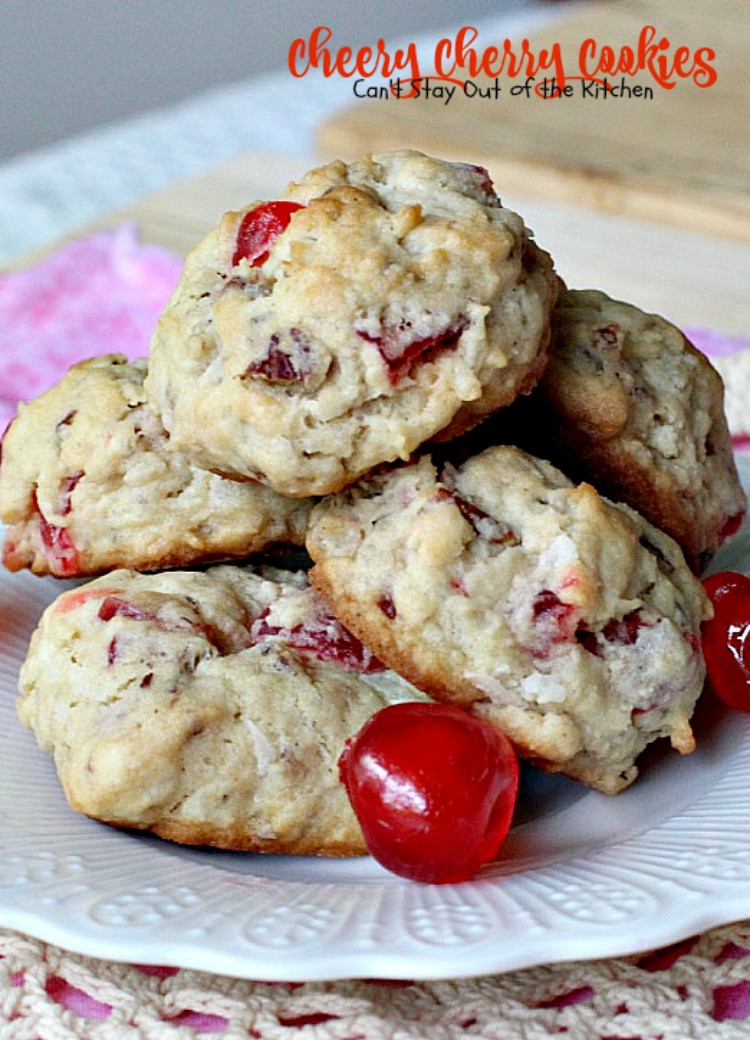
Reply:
x=100 y=294
x=730 y=355
x=699 y=988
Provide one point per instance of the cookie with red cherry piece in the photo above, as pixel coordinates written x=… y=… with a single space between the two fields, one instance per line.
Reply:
x=629 y=404
x=382 y=303
x=87 y=485
x=206 y=707
x=569 y=622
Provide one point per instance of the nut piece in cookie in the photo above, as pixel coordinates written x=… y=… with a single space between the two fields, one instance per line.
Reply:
x=568 y=621
x=388 y=301
x=630 y=405
x=87 y=484
x=209 y=708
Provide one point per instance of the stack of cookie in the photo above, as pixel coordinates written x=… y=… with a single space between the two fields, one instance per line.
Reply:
x=382 y=367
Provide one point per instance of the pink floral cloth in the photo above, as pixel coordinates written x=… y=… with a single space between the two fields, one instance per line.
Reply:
x=731 y=357
x=100 y=294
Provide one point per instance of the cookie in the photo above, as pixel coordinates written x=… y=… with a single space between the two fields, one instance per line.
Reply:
x=386 y=302
x=87 y=485
x=630 y=405
x=569 y=622
x=206 y=707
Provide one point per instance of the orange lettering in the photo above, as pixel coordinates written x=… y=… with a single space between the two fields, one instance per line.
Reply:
x=318 y=47
x=346 y=62
x=297 y=49
x=343 y=56
x=364 y=54
x=627 y=63
x=442 y=54
x=703 y=74
x=587 y=53
x=463 y=45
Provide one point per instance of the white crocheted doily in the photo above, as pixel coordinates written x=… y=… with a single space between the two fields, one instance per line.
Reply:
x=697 y=989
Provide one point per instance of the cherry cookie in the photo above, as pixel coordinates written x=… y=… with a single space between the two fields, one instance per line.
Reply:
x=567 y=621
x=629 y=404
x=207 y=707
x=382 y=303
x=87 y=485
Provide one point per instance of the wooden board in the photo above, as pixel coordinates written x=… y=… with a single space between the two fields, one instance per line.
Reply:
x=693 y=278
x=682 y=157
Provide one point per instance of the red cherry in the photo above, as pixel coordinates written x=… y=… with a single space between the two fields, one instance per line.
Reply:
x=259 y=230
x=401 y=352
x=434 y=790
x=278 y=366
x=325 y=638
x=113 y=606
x=726 y=638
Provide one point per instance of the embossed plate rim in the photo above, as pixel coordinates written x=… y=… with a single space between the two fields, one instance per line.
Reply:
x=103 y=893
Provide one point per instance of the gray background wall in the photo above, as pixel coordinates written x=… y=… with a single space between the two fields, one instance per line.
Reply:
x=69 y=65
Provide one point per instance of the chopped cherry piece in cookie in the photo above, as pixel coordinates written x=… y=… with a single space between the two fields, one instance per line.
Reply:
x=726 y=638
x=460 y=587
x=589 y=641
x=325 y=638
x=61 y=551
x=481 y=180
x=58 y=543
x=607 y=336
x=68 y=487
x=400 y=350
x=112 y=651
x=113 y=606
x=387 y=605
x=259 y=230
x=624 y=632
x=67 y=420
x=732 y=526
x=434 y=790
x=486 y=526
x=281 y=366
x=556 y=617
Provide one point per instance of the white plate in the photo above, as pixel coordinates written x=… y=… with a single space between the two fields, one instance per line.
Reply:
x=583 y=875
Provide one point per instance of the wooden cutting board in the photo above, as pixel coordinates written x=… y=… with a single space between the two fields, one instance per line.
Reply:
x=682 y=157
x=693 y=278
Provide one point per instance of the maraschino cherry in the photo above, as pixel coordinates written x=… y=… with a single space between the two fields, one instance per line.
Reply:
x=434 y=789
